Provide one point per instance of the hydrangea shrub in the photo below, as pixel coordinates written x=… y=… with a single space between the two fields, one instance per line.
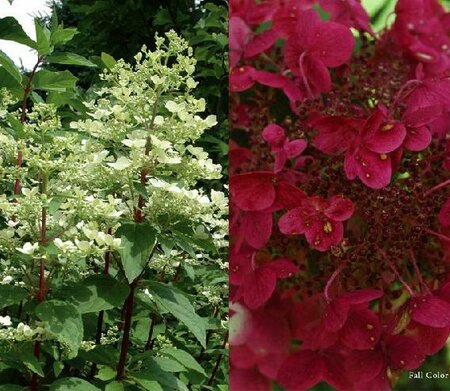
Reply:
x=112 y=246
x=339 y=164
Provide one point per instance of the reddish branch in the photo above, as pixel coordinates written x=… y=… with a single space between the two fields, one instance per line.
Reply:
x=101 y=314
x=219 y=360
x=149 y=344
x=126 y=331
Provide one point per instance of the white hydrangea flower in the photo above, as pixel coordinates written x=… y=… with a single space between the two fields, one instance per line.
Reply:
x=6 y=280
x=5 y=321
x=28 y=248
x=120 y=164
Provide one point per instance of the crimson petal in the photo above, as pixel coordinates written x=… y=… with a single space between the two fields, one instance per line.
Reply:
x=253 y=191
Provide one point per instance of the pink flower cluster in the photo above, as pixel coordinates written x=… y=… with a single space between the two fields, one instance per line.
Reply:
x=340 y=204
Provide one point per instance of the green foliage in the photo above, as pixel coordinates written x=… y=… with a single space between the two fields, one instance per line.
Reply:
x=11 y=30
x=138 y=242
x=63 y=320
x=169 y=299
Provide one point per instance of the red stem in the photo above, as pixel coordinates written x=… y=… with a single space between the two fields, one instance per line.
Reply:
x=437 y=187
x=437 y=234
x=304 y=78
x=330 y=281
x=149 y=344
x=402 y=281
x=126 y=332
x=219 y=359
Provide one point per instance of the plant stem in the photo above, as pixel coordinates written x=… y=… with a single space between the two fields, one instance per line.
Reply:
x=126 y=332
x=23 y=116
x=219 y=359
x=437 y=234
x=437 y=187
x=37 y=354
x=149 y=344
x=101 y=314
x=42 y=283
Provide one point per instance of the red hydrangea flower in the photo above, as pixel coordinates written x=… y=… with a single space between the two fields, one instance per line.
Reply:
x=319 y=220
x=244 y=43
x=349 y=13
x=366 y=144
x=315 y=47
x=257 y=282
x=281 y=146
x=244 y=77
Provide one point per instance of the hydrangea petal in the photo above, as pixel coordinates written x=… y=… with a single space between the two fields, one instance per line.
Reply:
x=430 y=310
x=253 y=191
x=340 y=208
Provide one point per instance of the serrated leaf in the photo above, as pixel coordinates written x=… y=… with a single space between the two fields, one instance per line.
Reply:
x=72 y=384
x=53 y=81
x=97 y=293
x=10 y=67
x=138 y=242
x=184 y=358
x=32 y=363
x=61 y=35
x=174 y=301
x=11 y=294
x=108 y=60
x=11 y=30
x=64 y=321
x=69 y=59
x=42 y=38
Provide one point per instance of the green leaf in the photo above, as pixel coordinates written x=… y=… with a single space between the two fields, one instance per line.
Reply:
x=184 y=358
x=174 y=301
x=169 y=365
x=32 y=363
x=11 y=387
x=153 y=377
x=10 y=67
x=42 y=38
x=108 y=60
x=64 y=321
x=69 y=59
x=9 y=82
x=114 y=386
x=58 y=366
x=138 y=242
x=97 y=293
x=60 y=35
x=106 y=373
x=141 y=189
x=11 y=294
x=166 y=243
x=53 y=81
x=72 y=384
x=11 y=30
x=150 y=385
